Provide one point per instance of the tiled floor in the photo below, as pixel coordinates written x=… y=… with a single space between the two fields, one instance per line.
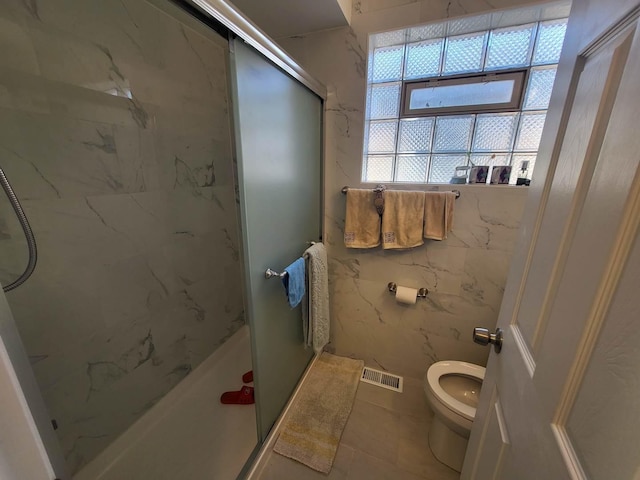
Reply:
x=385 y=438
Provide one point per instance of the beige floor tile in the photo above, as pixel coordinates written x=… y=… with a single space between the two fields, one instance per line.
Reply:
x=414 y=455
x=415 y=429
x=283 y=468
x=373 y=429
x=411 y=401
x=366 y=467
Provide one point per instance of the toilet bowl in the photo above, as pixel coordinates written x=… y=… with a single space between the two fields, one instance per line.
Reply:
x=452 y=389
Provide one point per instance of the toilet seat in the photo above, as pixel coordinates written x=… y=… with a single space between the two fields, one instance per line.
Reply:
x=440 y=369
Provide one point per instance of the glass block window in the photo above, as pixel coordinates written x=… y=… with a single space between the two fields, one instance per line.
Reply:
x=424 y=58
x=529 y=131
x=382 y=137
x=539 y=89
x=384 y=101
x=494 y=132
x=427 y=144
x=387 y=63
x=510 y=47
x=415 y=135
x=412 y=168
x=464 y=53
x=453 y=133
x=444 y=166
x=549 y=42
x=379 y=168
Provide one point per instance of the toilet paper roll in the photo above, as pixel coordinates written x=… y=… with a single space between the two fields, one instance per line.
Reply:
x=406 y=295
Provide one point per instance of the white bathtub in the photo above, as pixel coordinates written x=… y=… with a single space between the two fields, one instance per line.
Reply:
x=188 y=435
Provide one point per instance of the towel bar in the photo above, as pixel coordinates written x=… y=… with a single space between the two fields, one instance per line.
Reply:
x=379 y=188
x=345 y=189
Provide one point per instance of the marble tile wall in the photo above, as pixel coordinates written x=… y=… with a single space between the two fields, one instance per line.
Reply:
x=114 y=131
x=465 y=274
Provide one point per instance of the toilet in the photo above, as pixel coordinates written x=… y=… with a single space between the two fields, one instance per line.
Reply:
x=452 y=389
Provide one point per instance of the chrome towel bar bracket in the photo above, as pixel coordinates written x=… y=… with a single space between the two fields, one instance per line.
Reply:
x=273 y=274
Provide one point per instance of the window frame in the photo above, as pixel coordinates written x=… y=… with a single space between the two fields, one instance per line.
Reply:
x=519 y=75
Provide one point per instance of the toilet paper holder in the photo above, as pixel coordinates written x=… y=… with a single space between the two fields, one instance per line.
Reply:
x=393 y=286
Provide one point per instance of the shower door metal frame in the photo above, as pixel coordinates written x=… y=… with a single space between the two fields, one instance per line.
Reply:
x=244 y=28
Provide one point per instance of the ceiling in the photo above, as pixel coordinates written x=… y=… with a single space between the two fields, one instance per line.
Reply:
x=285 y=18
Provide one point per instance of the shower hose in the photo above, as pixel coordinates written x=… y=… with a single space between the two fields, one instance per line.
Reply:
x=28 y=233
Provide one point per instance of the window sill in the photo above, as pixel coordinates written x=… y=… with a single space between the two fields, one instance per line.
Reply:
x=436 y=187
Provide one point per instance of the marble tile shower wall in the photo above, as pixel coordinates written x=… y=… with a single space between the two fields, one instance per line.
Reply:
x=114 y=131
x=465 y=274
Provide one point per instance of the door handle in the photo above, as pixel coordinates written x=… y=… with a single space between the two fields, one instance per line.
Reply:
x=483 y=337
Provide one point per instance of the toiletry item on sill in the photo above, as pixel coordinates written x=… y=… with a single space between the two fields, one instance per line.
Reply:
x=500 y=174
x=460 y=175
x=523 y=174
x=479 y=174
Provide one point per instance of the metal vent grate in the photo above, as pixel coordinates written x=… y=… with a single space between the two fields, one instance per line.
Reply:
x=382 y=379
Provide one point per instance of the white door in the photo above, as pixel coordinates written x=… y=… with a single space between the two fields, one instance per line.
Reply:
x=562 y=399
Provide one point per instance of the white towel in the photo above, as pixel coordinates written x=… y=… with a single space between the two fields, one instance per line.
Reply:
x=315 y=313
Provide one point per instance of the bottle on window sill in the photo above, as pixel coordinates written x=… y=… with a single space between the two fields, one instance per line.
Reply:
x=460 y=175
x=523 y=174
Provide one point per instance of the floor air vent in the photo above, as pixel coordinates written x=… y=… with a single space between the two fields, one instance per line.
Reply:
x=381 y=379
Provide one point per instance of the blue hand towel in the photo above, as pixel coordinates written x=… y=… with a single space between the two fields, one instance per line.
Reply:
x=294 y=282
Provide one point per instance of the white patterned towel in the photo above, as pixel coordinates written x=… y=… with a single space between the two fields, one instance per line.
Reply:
x=315 y=314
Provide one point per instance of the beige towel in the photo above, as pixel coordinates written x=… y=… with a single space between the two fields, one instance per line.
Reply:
x=402 y=219
x=438 y=214
x=315 y=308
x=362 y=222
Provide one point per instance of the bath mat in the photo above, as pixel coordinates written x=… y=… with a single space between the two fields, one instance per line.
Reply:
x=311 y=433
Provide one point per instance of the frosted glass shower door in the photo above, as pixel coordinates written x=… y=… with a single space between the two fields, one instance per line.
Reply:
x=278 y=125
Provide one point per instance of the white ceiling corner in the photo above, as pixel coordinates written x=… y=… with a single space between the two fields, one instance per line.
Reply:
x=286 y=18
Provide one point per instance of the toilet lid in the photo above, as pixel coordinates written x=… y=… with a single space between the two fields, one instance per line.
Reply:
x=450 y=367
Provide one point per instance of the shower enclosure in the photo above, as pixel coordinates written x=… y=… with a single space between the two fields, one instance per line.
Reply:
x=118 y=135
